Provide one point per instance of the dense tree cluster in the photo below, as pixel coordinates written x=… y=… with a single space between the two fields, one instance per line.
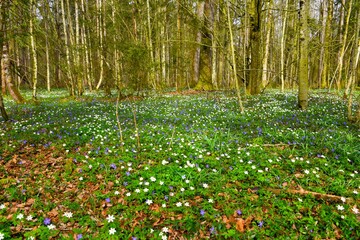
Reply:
x=207 y=45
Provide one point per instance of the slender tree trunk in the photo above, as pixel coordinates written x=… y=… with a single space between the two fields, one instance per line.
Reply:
x=214 y=45
x=343 y=46
x=67 y=50
x=323 y=14
x=151 y=48
x=282 y=56
x=33 y=50
x=233 y=58
x=100 y=32
x=354 y=68
x=200 y=15
x=265 y=74
x=303 y=76
x=255 y=9
x=327 y=45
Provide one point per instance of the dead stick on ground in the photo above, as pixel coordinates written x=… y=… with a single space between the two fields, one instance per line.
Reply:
x=317 y=195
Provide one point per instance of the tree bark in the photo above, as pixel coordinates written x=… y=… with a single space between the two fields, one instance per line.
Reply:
x=255 y=9
x=233 y=58
x=269 y=23
x=34 y=64
x=303 y=76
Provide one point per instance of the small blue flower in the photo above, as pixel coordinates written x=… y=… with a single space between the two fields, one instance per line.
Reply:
x=107 y=200
x=47 y=221
x=261 y=224
x=202 y=212
x=239 y=212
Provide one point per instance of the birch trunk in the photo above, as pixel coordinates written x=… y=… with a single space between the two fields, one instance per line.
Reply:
x=100 y=35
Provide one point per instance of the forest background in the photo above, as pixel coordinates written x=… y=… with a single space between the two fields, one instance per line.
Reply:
x=157 y=45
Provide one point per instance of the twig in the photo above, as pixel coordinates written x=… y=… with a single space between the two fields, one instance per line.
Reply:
x=317 y=195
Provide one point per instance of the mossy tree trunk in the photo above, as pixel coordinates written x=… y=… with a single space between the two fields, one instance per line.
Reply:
x=255 y=9
x=303 y=76
x=202 y=60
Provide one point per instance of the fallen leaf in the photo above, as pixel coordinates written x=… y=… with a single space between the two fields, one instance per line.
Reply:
x=240 y=225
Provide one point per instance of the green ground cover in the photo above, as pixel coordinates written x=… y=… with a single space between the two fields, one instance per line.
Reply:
x=190 y=167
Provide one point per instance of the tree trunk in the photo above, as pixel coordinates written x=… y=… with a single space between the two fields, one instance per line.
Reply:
x=33 y=50
x=5 y=64
x=233 y=58
x=200 y=15
x=353 y=70
x=303 y=76
x=255 y=9
x=282 y=46
x=265 y=73
x=343 y=42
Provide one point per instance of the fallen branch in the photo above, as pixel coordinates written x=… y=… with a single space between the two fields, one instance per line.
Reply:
x=323 y=196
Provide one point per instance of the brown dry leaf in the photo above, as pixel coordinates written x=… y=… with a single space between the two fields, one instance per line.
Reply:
x=110 y=185
x=284 y=184
x=30 y=202
x=240 y=225
x=53 y=213
x=226 y=221
x=299 y=175
x=293 y=226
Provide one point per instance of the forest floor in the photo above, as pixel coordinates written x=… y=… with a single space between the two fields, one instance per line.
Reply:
x=190 y=166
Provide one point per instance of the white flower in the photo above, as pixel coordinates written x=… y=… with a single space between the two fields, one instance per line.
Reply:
x=112 y=231
x=51 y=226
x=128 y=194
x=161 y=183
x=90 y=166
x=186 y=204
x=210 y=200
x=178 y=204
x=110 y=218
x=2 y=206
x=116 y=192
x=137 y=190
x=2 y=236
x=164 y=162
x=153 y=179
x=146 y=190
x=192 y=188
x=187 y=181
x=182 y=189
x=146 y=183
x=343 y=199
x=306 y=171
x=165 y=229
x=81 y=178
x=339 y=207
x=205 y=185
x=163 y=205
x=355 y=210
x=163 y=237
x=29 y=218
x=246 y=172
x=68 y=214
x=148 y=201
x=31 y=238
x=355 y=192
x=20 y=216
x=342 y=217
x=300 y=200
